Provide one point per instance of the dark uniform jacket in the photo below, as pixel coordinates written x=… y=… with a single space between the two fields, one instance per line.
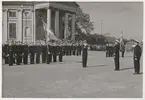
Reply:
x=85 y=50
x=137 y=52
x=116 y=50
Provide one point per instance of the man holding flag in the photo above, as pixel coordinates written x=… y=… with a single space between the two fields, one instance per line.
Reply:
x=122 y=46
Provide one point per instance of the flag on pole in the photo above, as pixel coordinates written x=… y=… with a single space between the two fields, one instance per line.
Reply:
x=49 y=35
x=121 y=40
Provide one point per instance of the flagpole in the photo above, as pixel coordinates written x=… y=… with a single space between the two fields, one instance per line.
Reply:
x=121 y=40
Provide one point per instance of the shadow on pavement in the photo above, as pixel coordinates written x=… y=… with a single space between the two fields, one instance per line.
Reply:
x=127 y=56
x=98 y=66
x=79 y=62
x=127 y=68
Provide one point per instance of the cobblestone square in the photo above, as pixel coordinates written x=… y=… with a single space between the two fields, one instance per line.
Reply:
x=69 y=80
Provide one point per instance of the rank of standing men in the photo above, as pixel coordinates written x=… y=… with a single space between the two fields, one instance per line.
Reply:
x=23 y=53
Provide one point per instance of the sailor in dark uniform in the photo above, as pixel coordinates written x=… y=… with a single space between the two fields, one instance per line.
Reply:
x=6 y=52
x=14 y=52
x=116 y=54
x=73 y=49
x=18 y=53
x=136 y=57
x=3 y=54
x=51 y=51
x=25 y=55
x=21 y=51
x=85 y=54
x=77 y=51
x=80 y=49
x=111 y=50
x=44 y=50
x=60 y=52
x=54 y=52
x=48 y=53
x=38 y=52
x=107 y=51
x=123 y=50
x=63 y=49
x=69 y=49
x=32 y=53
x=66 y=49
x=10 y=54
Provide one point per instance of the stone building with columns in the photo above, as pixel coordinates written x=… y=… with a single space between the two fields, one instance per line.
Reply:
x=22 y=21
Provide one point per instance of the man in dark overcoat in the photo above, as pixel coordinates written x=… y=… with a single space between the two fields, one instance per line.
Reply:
x=136 y=57
x=85 y=54
x=116 y=54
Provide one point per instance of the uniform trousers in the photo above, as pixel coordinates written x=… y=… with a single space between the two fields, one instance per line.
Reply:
x=84 y=60
x=60 y=57
x=116 y=60
x=32 y=56
x=137 y=65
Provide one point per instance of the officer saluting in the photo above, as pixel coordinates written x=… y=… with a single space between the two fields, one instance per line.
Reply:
x=85 y=54
x=116 y=54
x=136 y=56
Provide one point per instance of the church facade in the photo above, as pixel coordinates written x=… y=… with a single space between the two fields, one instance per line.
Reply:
x=23 y=21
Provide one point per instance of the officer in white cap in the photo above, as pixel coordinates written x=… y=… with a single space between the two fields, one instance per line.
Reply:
x=85 y=54
x=116 y=54
x=136 y=57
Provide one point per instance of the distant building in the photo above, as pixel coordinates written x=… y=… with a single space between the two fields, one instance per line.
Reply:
x=22 y=21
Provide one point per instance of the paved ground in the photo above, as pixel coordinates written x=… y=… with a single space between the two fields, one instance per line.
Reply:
x=69 y=79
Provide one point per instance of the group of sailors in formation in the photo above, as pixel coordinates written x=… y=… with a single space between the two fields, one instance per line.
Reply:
x=18 y=52
x=109 y=50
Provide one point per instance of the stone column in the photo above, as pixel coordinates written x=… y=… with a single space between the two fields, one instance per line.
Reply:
x=48 y=22
x=66 y=26
x=19 y=34
x=34 y=26
x=73 y=26
x=57 y=23
x=5 y=25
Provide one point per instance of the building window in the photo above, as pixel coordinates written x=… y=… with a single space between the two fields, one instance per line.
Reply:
x=12 y=30
x=27 y=31
x=12 y=13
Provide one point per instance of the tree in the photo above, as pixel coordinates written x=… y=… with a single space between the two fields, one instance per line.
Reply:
x=83 y=23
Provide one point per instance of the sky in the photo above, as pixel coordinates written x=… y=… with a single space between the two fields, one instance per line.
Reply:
x=116 y=16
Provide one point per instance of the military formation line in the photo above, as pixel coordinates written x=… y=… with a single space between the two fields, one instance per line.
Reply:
x=22 y=53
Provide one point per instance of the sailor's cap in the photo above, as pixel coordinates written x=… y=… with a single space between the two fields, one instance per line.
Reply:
x=136 y=41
